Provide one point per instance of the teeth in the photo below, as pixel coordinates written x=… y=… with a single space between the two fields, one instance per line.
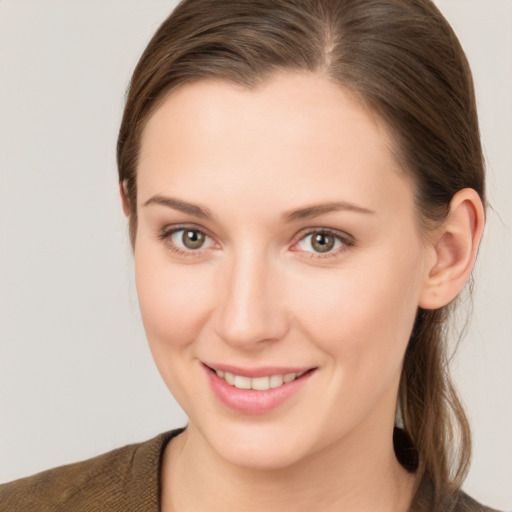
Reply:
x=260 y=383
x=242 y=382
x=257 y=383
x=276 y=381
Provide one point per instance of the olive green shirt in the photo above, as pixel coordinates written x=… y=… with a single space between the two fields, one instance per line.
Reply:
x=127 y=479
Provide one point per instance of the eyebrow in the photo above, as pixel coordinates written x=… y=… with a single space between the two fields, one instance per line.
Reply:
x=182 y=206
x=307 y=212
x=316 y=210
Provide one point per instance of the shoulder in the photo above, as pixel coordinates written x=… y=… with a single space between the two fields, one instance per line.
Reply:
x=114 y=481
x=467 y=504
x=425 y=501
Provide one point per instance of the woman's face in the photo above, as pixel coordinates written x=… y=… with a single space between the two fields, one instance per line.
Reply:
x=276 y=235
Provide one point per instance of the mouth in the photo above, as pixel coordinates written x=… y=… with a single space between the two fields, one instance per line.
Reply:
x=263 y=383
x=256 y=391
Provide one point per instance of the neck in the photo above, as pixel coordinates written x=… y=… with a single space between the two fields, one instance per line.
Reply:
x=360 y=474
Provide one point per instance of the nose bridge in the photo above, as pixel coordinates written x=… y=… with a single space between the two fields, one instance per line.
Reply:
x=249 y=309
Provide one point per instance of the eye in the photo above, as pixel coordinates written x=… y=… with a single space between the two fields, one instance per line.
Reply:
x=323 y=242
x=186 y=239
x=189 y=238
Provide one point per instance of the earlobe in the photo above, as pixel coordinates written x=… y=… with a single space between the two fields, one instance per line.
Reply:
x=125 y=202
x=455 y=247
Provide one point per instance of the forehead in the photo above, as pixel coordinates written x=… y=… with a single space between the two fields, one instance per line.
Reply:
x=296 y=129
x=305 y=104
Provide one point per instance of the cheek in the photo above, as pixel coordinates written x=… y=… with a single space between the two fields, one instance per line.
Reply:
x=172 y=298
x=362 y=312
x=360 y=317
x=173 y=303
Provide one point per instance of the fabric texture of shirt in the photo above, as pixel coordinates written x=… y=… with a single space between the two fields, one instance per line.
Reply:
x=128 y=479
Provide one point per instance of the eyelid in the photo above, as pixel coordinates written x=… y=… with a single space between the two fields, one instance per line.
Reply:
x=166 y=233
x=346 y=239
x=173 y=228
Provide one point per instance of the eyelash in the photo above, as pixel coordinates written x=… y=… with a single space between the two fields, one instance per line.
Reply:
x=166 y=234
x=346 y=241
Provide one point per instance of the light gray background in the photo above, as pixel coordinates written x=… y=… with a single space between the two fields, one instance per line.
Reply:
x=76 y=376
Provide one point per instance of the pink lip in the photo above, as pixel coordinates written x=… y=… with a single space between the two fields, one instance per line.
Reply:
x=264 y=371
x=249 y=401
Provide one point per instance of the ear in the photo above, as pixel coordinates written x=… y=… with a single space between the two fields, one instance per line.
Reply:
x=454 y=249
x=125 y=202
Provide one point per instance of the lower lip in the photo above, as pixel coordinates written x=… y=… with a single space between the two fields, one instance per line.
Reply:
x=250 y=401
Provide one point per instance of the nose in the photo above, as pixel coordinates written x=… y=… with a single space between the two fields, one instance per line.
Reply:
x=250 y=310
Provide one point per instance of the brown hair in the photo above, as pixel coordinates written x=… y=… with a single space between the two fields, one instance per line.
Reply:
x=402 y=59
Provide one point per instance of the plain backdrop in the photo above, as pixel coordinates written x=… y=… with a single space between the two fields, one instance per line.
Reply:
x=76 y=376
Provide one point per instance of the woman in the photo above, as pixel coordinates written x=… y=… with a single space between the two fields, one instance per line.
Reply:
x=304 y=187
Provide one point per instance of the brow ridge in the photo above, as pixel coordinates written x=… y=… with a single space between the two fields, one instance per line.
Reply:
x=180 y=205
x=307 y=212
x=316 y=210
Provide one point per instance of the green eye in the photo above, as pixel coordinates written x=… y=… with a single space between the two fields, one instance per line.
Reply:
x=322 y=242
x=187 y=239
x=192 y=239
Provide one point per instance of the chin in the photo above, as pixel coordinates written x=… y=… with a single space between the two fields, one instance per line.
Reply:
x=257 y=457
x=260 y=447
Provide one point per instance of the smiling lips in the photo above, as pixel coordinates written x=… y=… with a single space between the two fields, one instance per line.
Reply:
x=258 y=391
x=258 y=383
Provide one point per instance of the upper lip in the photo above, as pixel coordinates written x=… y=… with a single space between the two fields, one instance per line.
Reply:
x=262 y=371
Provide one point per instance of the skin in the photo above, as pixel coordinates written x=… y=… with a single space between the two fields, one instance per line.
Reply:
x=257 y=293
